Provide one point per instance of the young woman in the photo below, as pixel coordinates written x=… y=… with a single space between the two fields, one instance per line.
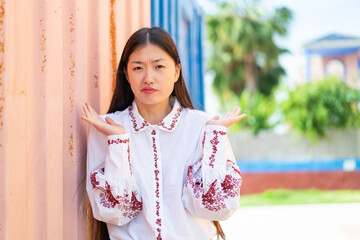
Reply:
x=157 y=168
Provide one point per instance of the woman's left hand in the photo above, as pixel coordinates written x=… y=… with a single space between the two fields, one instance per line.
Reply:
x=228 y=119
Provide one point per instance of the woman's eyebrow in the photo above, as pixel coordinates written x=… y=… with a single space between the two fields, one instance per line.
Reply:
x=155 y=60
x=137 y=62
x=159 y=59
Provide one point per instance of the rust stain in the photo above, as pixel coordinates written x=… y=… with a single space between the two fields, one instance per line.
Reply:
x=42 y=45
x=113 y=43
x=1 y=115
x=96 y=83
x=71 y=22
x=71 y=99
x=71 y=145
x=43 y=62
x=2 y=50
x=72 y=65
x=22 y=93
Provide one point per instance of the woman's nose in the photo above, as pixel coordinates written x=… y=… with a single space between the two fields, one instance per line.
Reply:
x=148 y=78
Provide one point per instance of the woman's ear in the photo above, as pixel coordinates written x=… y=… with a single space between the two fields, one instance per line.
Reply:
x=177 y=71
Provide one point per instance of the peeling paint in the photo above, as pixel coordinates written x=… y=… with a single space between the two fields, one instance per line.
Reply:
x=113 y=43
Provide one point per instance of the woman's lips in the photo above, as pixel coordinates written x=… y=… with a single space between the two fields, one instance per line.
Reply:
x=148 y=90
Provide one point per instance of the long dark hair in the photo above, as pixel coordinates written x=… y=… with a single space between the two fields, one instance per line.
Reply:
x=123 y=95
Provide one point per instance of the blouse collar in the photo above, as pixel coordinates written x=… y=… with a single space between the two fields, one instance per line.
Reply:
x=168 y=124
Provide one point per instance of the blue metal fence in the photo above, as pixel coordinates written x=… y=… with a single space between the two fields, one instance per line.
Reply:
x=184 y=21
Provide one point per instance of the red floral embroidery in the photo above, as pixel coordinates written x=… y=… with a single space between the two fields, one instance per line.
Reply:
x=214 y=198
x=128 y=152
x=106 y=197
x=117 y=141
x=159 y=235
x=157 y=190
x=157 y=208
x=231 y=186
x=215 y=142
x=174 y=120
x=133 y=120
x=236 y=170
x=192 y=182
x=93 y=181
x=158 y=221
x=128 y=204
x=130 y=208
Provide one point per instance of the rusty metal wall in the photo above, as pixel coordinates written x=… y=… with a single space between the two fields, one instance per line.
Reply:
x=54 y=56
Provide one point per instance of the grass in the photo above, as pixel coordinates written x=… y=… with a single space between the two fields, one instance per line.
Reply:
x=310 y=196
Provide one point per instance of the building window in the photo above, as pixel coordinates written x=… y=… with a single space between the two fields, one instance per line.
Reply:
x=335 y=68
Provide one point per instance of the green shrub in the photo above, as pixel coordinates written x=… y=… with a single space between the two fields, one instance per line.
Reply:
x=314 y=107
x=258 y=108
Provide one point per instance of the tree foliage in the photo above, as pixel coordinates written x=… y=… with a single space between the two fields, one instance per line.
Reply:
x=259 y=110
x=243 y=51
x=315 y=107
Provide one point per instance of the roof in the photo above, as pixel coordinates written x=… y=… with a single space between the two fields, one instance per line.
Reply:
x=333 y=44
x=334 y=41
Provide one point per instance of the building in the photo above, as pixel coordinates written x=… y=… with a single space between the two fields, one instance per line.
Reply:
x=334 y=55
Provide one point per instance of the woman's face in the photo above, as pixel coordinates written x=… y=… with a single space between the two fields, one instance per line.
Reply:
x=152 y=74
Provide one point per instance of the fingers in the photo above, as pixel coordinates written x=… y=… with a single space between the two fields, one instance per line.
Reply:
x=86 y=110
x=109 y=121
x=217 y=117
x=85 y=119
x=90 y=109
x=226 y=114
x=241 y=117
x=236 y=110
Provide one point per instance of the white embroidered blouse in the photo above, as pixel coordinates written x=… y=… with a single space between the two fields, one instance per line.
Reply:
x=164 y=181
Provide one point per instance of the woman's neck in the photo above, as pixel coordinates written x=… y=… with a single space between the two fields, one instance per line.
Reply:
x=153 y=114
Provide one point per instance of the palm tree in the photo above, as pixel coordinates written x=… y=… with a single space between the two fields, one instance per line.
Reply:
x=243 y=51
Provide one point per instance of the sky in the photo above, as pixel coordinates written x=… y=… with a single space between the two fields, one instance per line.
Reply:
x=311 y=20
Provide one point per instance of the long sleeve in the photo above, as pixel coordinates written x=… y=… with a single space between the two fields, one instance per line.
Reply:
x=212 y=187
x=112 y=191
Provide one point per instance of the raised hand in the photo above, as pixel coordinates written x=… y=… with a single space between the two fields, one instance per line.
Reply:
x=228 y=119
x=108 y=127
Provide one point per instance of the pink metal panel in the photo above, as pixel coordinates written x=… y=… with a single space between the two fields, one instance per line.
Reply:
x=54 y=56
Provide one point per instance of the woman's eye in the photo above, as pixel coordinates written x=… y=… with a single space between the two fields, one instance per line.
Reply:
x=160 y=66
x=137 y=68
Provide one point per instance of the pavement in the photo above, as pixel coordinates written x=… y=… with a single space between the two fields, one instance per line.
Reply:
x=295 y=222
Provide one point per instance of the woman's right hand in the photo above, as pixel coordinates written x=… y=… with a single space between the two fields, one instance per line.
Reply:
x=108 y=127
